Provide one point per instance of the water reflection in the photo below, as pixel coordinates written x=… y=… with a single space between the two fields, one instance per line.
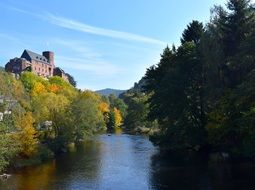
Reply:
x=105 y=162
x=31 y=178
x=126 y=162
x=170 y=172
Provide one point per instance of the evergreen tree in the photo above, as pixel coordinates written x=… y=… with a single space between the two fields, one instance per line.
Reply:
x=193 y=32
x=237 y=26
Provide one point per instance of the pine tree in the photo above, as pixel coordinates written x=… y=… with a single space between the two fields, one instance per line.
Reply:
x=193 y=32
x=237 y=26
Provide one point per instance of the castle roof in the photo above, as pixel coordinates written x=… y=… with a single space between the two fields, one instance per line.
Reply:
x=29 y=55
x=59 y=69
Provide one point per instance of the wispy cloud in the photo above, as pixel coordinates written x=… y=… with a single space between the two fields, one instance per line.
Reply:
x=83 y=58
x=95 y=67
x=12 y=39
x=78 y=47
x=23 y=11
x=82 y=27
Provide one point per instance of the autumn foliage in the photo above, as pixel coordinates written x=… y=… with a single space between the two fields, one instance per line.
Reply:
x=47 y=115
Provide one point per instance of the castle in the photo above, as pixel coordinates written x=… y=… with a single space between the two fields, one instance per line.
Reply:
x=41 y=65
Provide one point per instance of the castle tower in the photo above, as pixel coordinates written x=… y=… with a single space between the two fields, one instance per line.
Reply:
x=50 y=56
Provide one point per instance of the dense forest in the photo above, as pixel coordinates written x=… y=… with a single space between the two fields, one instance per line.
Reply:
x=40 y=118
x=201 y=94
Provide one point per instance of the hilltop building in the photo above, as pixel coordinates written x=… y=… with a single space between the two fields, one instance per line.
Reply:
x=60 y=72
x=41 y=65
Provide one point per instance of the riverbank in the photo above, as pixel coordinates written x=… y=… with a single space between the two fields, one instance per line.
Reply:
x=99 y=163
x=141 y=131
x=105 y=162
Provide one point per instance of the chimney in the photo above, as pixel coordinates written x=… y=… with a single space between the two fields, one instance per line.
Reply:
x=50 y=56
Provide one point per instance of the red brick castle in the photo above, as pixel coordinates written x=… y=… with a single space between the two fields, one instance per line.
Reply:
x=41 y=65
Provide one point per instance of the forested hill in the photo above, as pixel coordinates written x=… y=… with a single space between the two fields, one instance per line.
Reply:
x=108 y=91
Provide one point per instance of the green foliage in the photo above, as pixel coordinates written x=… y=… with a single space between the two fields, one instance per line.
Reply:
x=177 y=98
x=118 y=103
x=193 y=33
x=9 y=147
x=137 y=110
x=202 y=93
x=116 y=111
x=46 y=116
x=86 y=114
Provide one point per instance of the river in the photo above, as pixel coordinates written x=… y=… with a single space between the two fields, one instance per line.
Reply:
x=126 y=162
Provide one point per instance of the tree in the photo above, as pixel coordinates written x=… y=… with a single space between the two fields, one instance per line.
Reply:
x=202 y=93
x=105 y=110
x=117 y=117
x=87 y=117
x=176 y=100
x=117 y=103
x=237 y=26
x=9 y=147
x=193 y=33
x=71 y=80
x=137 y=110
x=26 y=136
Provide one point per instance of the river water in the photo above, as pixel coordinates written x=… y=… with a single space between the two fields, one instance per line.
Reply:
x=127 y=162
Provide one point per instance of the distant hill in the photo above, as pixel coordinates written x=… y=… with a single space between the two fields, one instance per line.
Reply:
x=108 y=91
x=1 y=68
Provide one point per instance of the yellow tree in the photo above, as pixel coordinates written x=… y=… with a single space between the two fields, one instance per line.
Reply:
x=48 y=105
x=105 y=109
x=117 y=117
x=38 y=88
x=87 y=114
x=27 y=134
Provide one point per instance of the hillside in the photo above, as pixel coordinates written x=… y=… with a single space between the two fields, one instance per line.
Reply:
x=108 y=91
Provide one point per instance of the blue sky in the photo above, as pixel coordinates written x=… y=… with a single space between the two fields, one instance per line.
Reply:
x=102 y=43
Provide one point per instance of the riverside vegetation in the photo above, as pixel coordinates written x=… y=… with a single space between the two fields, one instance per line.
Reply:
x=202 y=93
x=200 y=97
x=42 y=117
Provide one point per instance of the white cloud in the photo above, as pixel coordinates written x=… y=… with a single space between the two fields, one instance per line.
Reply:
x=85 y=59
x=81 y=48
x=12 y=39
x=96 y=67
x=82 y=27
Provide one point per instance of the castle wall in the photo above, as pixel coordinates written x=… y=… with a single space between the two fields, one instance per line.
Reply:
x=60 y=73
x=16 y=65
x=42 y=69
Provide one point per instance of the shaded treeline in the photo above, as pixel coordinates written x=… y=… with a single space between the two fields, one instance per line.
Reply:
x=202 y=93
